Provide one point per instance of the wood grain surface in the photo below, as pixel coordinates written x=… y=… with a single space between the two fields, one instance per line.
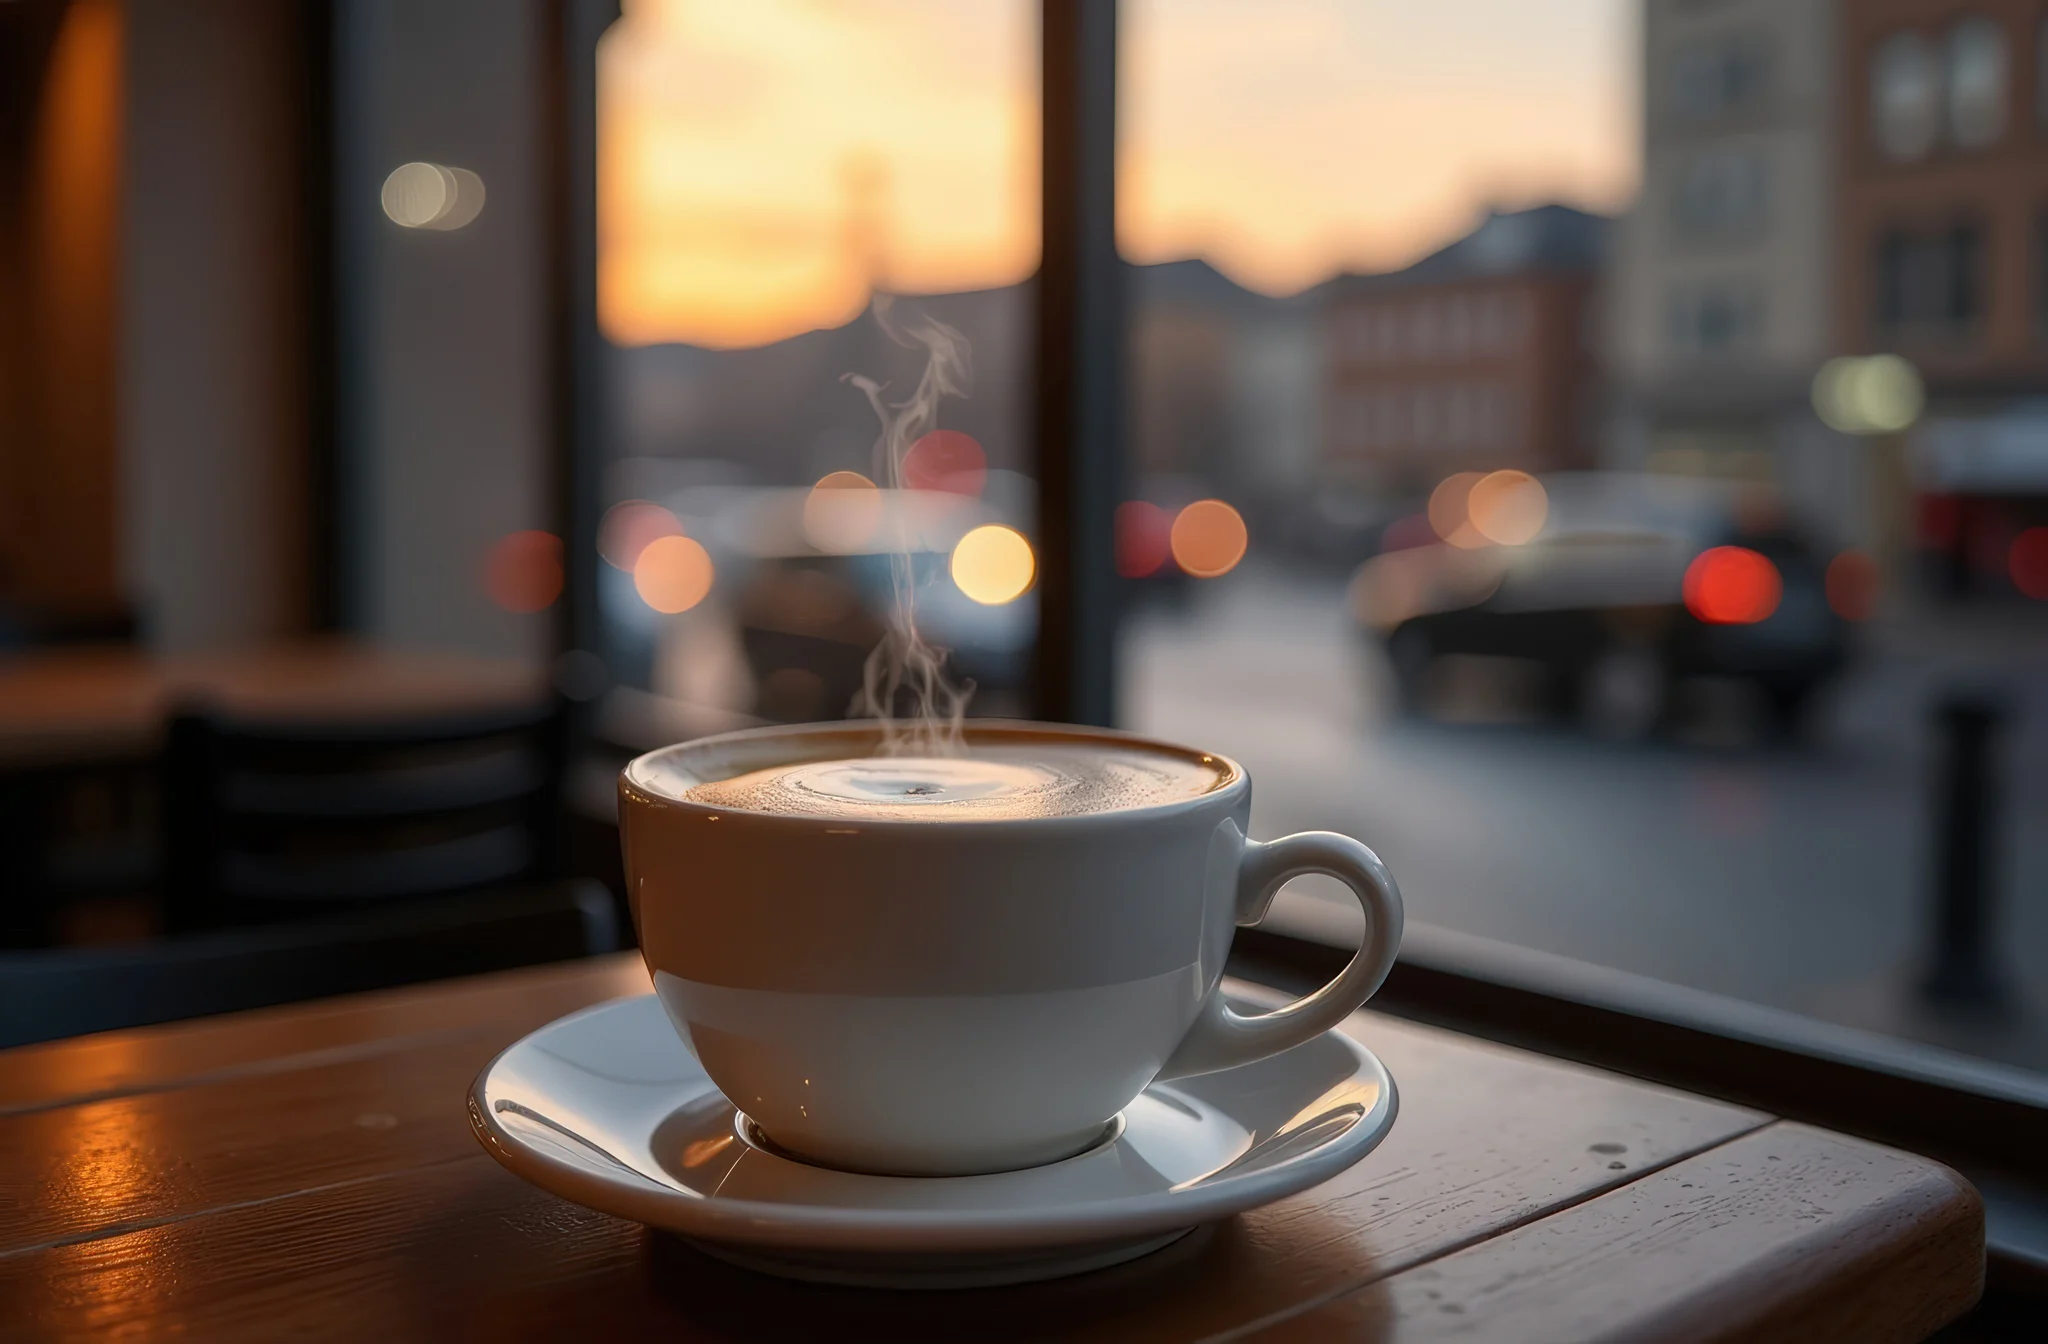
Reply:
x=1785 y=1234
x=308 y=1172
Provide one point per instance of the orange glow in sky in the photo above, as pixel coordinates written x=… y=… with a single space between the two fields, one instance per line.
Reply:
x=763 y=165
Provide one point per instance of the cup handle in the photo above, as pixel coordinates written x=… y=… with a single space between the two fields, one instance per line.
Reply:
x=1222 y=1038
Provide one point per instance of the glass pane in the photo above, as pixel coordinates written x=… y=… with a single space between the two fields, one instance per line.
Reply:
x=813 y=224
x=1629 y=548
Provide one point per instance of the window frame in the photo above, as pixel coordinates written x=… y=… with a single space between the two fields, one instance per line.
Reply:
x=1978 y=1116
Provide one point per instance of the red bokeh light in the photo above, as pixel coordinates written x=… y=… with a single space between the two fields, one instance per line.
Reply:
x=1732 y=585
x=1941 y=517
x=1852 y=585
x=629 y=526
x=948 y=460
x=523 y=571
x=1144 y=533
x=2027 y=562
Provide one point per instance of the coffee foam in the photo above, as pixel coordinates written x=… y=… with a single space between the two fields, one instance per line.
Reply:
x=995 y=783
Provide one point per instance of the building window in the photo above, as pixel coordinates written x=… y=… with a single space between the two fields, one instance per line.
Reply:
x=1720 y=194
x=1501 y=321
x=1716 y=76
x=1458 y=327
x=1358 y=332
x=1386 y=333
x=1719 y=319
x=1357 y=421
x=1978 y=65
x=1460 y=427
x=1930 y=285
x=1905 y=97
x=1423 y=417
x=1386 y=415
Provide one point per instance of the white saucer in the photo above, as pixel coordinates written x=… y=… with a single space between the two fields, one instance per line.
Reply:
x=606 y=1107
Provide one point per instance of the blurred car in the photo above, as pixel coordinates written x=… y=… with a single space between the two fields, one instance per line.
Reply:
x=1632 y=585
x=802 y=586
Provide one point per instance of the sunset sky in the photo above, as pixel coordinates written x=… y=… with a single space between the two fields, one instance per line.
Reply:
x=761 y=163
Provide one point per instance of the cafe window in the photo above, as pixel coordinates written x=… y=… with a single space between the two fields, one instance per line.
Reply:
x=1614 y=814
x=809 y=220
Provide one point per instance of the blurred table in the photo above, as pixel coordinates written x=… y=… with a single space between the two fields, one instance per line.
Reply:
x=80 y=705
x=309 y=1171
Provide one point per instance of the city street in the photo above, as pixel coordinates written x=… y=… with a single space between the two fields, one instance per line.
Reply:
x=1795 y=876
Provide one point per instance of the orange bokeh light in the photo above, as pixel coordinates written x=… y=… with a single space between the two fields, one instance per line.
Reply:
x=1852 y=585
x=1208 y=538
x=672 y=574
x=1143 y=538
x=842 y=512
x=1507 y=507
x=948 y=460
x=1732 y=585
x=523 y=571
x=2027 y=562
x=629 y=526
x=1449 y=515
x=993 y=564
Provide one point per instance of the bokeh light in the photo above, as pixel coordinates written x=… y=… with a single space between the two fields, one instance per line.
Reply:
x=1507 y=507
x=523 y=571
x=993 y=564
x=1868 y=394
x=1732 y=585
x=672 y=574
x=2027 y=562
x=431 y=196
x=1143 y=538
x=1449 y=517
x=1208 y=538
x=628 y=527
x=948 y=460
x=1852 y=582
x=842 y=512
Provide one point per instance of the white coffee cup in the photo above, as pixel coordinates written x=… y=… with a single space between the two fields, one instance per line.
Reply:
x=966 y=995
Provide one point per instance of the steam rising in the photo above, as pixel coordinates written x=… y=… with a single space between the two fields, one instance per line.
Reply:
x=905 y=684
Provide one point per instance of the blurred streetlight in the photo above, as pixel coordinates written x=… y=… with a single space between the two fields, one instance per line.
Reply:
x=1877 y=397
x=1208 y=538
x=1868 y=394
x=993 y=564
x=431 y=196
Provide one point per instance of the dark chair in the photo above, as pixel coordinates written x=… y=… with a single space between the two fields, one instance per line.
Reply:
x=277 y=821
x=68 y=991
x=35 y=626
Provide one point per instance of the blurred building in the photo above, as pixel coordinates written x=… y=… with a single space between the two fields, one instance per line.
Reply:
x=1723 y=292
x=1222 y=385
x=1222 y=390
x=1941 y=255
x=1477 y=357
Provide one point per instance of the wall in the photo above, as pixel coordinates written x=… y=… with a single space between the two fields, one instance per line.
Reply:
x=60 y=193
x=213 y=434
x=443 y=339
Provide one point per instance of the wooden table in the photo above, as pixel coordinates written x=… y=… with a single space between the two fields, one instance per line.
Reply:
x=79 y=705
x=308 y=1172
